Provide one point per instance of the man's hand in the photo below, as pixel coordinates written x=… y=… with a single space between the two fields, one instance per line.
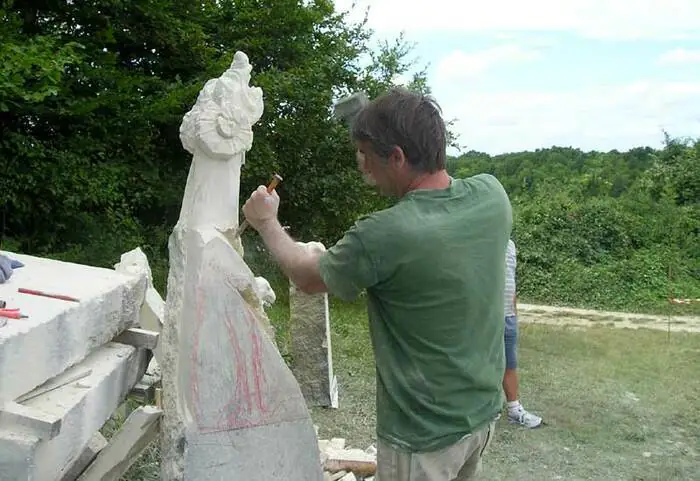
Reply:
x=261 y=207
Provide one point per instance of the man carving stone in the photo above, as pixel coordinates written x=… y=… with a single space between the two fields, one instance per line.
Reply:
x=432 y=267
x=232 y=406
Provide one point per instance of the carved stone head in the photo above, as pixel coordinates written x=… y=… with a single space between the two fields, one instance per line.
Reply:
x=220 y=124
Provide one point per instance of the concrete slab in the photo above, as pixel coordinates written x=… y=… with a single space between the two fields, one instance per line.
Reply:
x=59 y=334
x=83 y=407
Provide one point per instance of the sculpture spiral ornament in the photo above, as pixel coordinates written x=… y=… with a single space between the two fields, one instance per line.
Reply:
x=220 y=122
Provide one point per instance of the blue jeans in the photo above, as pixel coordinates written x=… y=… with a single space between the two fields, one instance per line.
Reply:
x=511 y=342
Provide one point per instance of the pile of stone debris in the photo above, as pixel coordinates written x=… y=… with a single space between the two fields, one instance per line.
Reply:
x=341 y=464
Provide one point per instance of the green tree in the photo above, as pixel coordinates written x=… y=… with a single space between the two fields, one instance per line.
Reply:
x=92 y=95
x=602 y=229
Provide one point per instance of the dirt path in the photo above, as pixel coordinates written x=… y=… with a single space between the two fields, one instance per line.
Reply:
x=529 y=313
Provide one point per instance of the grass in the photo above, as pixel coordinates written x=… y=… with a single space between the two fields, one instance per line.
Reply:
x=620 y=404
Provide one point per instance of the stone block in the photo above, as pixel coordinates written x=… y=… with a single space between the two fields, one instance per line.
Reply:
x=152 y=310
x=58 y=334
x=310 y=334
x=232 y=408
x=83 y=406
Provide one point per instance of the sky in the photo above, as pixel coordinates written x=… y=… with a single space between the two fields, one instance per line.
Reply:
x=522 y=75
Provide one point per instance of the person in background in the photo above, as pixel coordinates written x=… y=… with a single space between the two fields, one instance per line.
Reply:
x=432 y=269
x=516 y=413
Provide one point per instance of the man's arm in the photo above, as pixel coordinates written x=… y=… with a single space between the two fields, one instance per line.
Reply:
x=344 y=270
x=299 y=264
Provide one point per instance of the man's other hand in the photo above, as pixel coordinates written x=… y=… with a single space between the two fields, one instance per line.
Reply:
x=261 y=207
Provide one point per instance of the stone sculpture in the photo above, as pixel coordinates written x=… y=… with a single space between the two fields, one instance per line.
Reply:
x=233 y=409
x=217 y=132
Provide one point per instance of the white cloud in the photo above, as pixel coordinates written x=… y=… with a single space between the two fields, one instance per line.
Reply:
x=680 y=55
x=595 y=118
x=599 y=117
x=459 y=65
x=613 y=19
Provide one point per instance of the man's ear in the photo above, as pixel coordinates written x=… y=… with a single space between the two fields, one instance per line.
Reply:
x=397 y=157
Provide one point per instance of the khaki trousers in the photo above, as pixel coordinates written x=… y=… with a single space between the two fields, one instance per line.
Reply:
x=459 y=462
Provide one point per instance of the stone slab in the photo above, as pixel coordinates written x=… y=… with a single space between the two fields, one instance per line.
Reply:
x=83 y=407
x=139 y=338
x=17 y=450
x=45 y=426
x=232 y=406
x=97 y=443
x=138 y=431
x=265 y=452
x=59 y=334
x=310 y=334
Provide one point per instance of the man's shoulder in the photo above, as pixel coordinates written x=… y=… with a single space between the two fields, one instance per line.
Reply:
x=482 y=182
x=380 y=230
x=379 y=219
x=486 y=195
x=399 y=218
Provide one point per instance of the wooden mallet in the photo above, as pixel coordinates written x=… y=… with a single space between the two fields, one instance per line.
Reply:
x=276 y=179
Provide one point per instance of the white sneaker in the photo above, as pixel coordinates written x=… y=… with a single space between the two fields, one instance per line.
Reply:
x=524 y=418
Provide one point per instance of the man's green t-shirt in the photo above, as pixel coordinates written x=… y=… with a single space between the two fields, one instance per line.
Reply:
x=433 y=266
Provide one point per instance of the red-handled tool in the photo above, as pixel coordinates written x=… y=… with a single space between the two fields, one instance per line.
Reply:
x=12 y=314
x=47 y=294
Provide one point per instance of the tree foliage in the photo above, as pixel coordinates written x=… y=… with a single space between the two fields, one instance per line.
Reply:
x=92 y=94
x=619 y=230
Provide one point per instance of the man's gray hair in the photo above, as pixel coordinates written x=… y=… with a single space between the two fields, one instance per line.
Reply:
x=410 y=121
